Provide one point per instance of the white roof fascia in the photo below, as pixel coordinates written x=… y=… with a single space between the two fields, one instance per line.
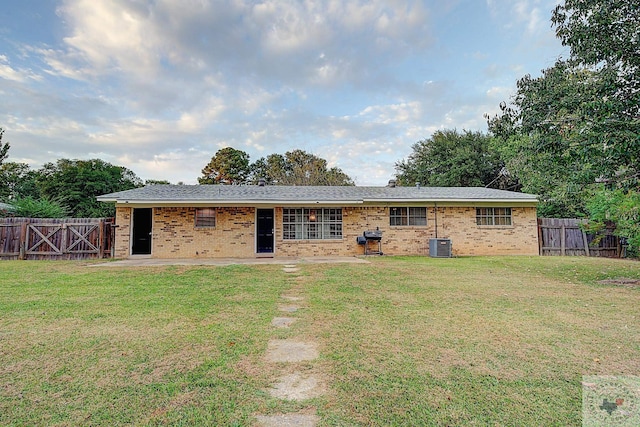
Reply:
x=231 y=202
x=457 y=201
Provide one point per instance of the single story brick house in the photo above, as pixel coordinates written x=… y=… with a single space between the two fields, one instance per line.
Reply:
x=247 y=221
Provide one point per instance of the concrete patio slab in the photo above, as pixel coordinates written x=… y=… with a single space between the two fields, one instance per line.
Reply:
x=152 y=262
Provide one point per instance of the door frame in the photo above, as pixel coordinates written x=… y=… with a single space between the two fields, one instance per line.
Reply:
x=132 y=234
x=273 y=252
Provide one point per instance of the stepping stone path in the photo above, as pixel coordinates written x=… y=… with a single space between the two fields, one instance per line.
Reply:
x=294 y=385
x=288 y=420
x=290 y=268
x=282 y=322
x=291 y=351
x=288 y=308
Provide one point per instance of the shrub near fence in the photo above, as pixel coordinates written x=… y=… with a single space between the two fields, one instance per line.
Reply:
x=566 y=237
x=53 y=238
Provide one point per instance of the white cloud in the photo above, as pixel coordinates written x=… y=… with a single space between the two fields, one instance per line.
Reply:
x=401 y=113
x=268 y=38
x=111 y=35
x=533 y=15
x=16 y=74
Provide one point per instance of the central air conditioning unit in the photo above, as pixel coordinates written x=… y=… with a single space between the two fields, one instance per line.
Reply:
x=440 y=248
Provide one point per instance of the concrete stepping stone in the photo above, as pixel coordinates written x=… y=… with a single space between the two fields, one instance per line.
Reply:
x=296 y=386
x=288 y=308
x=288 y=420
x=290 y=269
x=291 y=351
x=292 y=298
x=282 y=322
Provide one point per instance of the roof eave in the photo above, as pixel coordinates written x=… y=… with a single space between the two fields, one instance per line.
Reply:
x=209 y=202
x=455 y=200
x=282 y=202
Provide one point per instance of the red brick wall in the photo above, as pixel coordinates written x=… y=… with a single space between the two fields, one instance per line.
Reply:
x=175 y=236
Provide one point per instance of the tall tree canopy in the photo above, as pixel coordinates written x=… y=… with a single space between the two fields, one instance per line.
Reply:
x=579 y=122
x=297 y=167
x=76 y=183
x=573 y=134
x=449 y=158
x=228 y=166
x=17 y=180
x=545 y=141
x=601 y=33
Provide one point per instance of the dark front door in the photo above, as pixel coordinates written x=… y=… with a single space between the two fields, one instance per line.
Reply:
x=141 y=244
x=264 y=231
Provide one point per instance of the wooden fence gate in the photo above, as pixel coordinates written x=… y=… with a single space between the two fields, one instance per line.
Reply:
x=566 y=237
x=50 y=238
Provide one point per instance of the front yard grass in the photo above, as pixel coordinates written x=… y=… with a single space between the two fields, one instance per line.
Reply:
x=403 y=341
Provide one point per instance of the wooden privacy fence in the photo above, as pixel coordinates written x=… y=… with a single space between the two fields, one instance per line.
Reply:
x=52 y=238
x=566 y=237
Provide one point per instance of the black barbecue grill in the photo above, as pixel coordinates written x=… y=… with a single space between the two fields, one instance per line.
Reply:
x=371 y=237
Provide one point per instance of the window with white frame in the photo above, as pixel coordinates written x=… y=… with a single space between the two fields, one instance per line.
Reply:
x=407 y=216
x=493 y=216
x=311 y=223
x=205 y=217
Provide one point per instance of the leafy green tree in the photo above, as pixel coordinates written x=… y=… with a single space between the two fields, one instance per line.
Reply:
x=29 y=207
x=452 y=159
x=579 y=122
x=540 y=138
x=156 y=182
x=268 y=169
x=604 y=38
x=601 y=33
x=228 y=166
x=620 y=207
x=4 y=148
x=77 y=183
x=18 y=180
x=297 y=167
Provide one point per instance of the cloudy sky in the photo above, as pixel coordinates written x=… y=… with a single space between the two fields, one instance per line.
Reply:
x=159 y=86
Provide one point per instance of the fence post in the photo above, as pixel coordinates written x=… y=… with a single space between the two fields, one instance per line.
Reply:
x=540 y=242
x=112 y=229
x=563 y=239
x=23 y=240
x=586 y=242
x=101 y=239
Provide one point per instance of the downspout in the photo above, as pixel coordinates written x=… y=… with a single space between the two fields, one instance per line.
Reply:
x=435 y=210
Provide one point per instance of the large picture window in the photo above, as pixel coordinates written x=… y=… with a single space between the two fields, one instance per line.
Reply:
x=205 y=217
x=493 y=216
x=311 y=223
x=407 y=216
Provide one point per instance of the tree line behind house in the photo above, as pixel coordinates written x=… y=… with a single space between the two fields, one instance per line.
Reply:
x=69 y=187
x=571 y=136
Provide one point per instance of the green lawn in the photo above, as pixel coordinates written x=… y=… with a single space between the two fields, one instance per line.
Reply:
x=403 y=341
